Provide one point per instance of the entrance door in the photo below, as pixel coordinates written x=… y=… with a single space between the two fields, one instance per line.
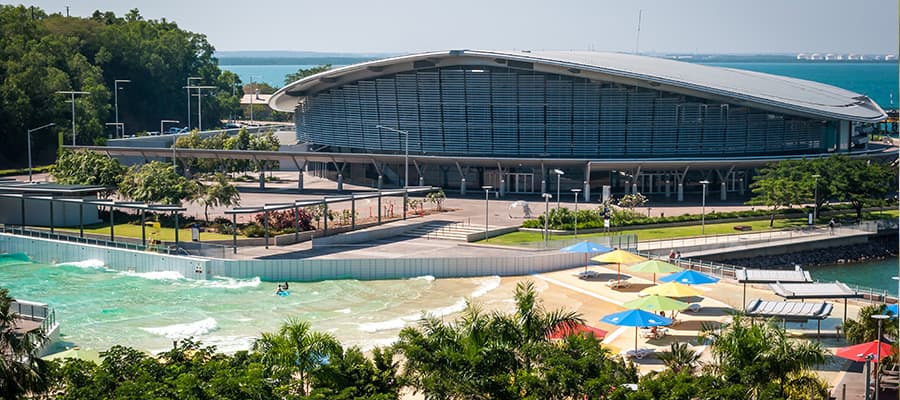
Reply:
x=520 y=182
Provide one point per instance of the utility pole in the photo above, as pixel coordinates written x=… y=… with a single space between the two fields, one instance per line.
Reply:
x=189 y=79
x=73 y=93
x=199 y=104
x=116 y=91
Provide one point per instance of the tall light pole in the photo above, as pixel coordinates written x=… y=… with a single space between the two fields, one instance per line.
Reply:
x=73 y=93
x=29 y=145
x=116 y=90
x=879 y=318
x=188 y=87
x=576 y=191
x=174 y=139
x=558 y=173
x=253 y=94
x=487 y=190
x=816 y=198
x=703 y=209
x=547 y=197
x=199 y=104
x=405 y=152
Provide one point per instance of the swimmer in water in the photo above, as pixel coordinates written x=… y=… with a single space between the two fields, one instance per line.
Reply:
x=280 y=289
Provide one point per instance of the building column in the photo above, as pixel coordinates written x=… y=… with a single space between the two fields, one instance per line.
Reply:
x=668 y=189
x=587 y=183
x=724 y=194
x=634 y=188
x=543 y=186
x=502 y=185
x=680 y=196
x=340 y=183
x=421 y=180
x=741 y=186
x=300 y=181
x=380 y=181
x=462 y=186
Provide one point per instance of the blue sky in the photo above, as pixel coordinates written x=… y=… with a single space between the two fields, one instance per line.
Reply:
x=702 y=26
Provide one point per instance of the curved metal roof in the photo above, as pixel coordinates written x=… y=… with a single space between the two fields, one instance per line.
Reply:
x=773 y=92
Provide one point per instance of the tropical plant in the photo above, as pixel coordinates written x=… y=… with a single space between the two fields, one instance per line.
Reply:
x=680 y=358
x=295 y=351
x=157 y=182
x=865 y=328
x=304 y=72
x=437 y=198
x=217 y=194
x=349 y=375
x=631 y=201
x=85 y=167
x=21 y=371
x=780 y=185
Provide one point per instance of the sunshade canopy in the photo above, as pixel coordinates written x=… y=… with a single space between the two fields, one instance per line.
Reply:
x=656 y=303
x=689 y=277
x=891 y=310
x=577 y=329
x=636 y=318
x=619 y=257
x=672 y=289
x=654 y=266
x=860 y=351
x=586 y=247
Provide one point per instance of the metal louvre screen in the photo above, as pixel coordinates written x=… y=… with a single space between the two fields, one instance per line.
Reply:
x=509 y=112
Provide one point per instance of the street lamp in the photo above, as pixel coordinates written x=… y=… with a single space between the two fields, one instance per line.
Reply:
x=486 y=197
x=29 y=145
x=547 y=197
x=576 y=191
x=558 y=173
x=189 y=79
x=73 y=93
x=199 y=105
x=174 y=140
x=116 y=91
x=816 y=198
x=253 y=94
x=405 y=152
x=879 y=318
x=703 y=209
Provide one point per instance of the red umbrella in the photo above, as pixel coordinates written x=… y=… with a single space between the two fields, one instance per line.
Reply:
x=568 y=330
x=859 y=352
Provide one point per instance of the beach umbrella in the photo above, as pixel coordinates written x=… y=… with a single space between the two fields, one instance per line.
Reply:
x=654 y=266
x=586 y=248
x=689 y=277
x=619 y=257
x=860 y=351
x=637 y=319
x=671 y=289
x=656 y=303
x=891 y=310
x=565 y=330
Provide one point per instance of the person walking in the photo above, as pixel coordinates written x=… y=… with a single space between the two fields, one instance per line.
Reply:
x=831 y=226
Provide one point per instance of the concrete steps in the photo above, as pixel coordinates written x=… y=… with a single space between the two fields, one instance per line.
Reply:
x=445 y=230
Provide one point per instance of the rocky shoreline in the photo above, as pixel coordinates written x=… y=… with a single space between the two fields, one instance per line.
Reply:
x=875 y=249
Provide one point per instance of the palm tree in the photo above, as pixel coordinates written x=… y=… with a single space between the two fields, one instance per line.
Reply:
x=295 y=351
x=680 y=358
x=21 y=371
x=219 y=193
x=865 y=328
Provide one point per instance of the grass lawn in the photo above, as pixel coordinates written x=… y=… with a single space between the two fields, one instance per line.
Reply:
x=515 y=238
x=134 y=231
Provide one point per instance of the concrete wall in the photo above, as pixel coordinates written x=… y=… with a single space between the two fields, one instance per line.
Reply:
x=37 y=213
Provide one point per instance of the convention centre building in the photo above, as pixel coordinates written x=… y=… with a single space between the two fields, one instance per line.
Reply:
x=525 y=121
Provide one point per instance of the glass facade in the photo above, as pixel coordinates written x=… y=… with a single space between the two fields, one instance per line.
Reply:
x=508 y=112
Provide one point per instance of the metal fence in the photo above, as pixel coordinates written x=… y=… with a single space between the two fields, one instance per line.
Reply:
x=37 y=312
x=626 y=242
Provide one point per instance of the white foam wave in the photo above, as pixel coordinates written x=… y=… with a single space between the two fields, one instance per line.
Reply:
x=484 y=288
x=92 y=263
x=225 y=282
x=157 y=275
x=427 y=278
x=181 y=331
x=229 y=344
x=343 y=311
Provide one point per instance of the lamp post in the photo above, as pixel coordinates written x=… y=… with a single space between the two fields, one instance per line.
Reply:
x=816 y=198
x=558 y=173
x=116 y=91
x=879 y=318
x=199 y=105
x=487 y=190
x=405 y=152
x=703 y=209
x=547 y=197
x=576 y=191
x=174 y=139
x=29 y=145
x=869 y=358
x=188 y=87
x=73 y=93
x=253 y=94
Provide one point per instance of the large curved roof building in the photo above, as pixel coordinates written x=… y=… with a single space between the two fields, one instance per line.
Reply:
x=506 y=118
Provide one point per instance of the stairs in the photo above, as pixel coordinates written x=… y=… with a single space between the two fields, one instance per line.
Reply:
x=445 y=230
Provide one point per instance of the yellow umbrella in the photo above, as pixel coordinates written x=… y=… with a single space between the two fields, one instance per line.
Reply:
x=672 y=289
x=619 y=257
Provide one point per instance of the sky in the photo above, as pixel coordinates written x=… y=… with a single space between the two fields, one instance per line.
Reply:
x=667 y=26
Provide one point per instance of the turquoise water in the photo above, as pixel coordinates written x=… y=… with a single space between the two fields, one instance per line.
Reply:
x=876 y=80
x=98 y=307
x=876 y=274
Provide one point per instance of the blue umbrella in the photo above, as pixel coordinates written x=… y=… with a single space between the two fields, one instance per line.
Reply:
x=636 y=318
x=586 y=248
x=891 y=309
x=689 y=277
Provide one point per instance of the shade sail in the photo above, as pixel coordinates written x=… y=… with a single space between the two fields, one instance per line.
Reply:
x=672 y=289
x=689 y=277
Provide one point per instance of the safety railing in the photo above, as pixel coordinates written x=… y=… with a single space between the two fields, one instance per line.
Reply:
x=42 y=234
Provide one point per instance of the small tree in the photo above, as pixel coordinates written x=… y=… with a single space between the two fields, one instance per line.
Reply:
x=157 y=182
x=219 y=193
x=437 y=198
x=85 y=167
x=780 y=185
x=631 y=201
x=680 y=358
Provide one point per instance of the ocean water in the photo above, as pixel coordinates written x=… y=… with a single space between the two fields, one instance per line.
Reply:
x=98 y=307
x=875 y=274
x=876 y=80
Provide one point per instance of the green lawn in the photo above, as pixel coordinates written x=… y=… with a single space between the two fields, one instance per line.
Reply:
x=516 y=238
x=134 y=231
